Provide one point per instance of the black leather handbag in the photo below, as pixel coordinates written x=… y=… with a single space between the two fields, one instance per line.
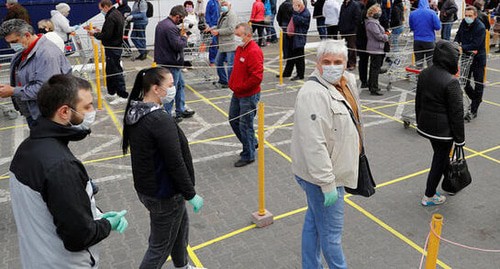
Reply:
x=457 y=176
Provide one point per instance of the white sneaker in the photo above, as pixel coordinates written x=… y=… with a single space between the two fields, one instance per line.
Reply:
x=189 y=266
x=118 y=101
x=110 y=97
x=437 y=199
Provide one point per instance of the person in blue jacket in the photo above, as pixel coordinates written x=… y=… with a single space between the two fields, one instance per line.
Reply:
x=212 y=14
x=423 y=23
x=471 y=36
x=140 y=20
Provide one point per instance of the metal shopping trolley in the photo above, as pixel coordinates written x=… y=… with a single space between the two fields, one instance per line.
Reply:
x=82 y=59
x=399 y=57
x=196 y=54
x=6 y=106
x=408 y=116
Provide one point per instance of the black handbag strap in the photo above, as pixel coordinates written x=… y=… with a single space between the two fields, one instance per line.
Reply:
x=458 y=152
x=356 y=121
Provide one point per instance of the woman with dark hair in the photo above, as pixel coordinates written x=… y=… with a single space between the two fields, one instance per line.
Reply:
x=162 y=167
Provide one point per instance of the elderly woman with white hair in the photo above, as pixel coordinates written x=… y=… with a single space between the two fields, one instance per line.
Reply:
x=326 y=143
x=61 y=23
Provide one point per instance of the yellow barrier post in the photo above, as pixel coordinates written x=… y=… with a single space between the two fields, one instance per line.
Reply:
x=433 y=246
x=281 y=57
x=262 y=217
x=487 y=45
x=103 y=66
x=97 y=74
x=154 y=65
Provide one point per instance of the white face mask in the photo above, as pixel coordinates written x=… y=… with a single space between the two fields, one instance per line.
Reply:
x=239 y=41
x=17 y=47
x=88 y=119
x=332 y=73
x=169 y=97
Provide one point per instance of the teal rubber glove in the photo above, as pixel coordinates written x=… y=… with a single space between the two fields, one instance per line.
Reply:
x=77 y=27
x=331 y=197
x=197 y=203
x=116 y=219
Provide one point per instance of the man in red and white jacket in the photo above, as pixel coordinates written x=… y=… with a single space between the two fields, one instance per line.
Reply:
x=248 y=71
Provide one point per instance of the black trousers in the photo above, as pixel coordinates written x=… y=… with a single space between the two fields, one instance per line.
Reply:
x=475 y=94
x=332 y=31
x=376 y=61
x=114 y=73
x=351 y=54
x=296 y=59
x=439 y=165
x=363 y=66
x=259 y=26
x=423 y=49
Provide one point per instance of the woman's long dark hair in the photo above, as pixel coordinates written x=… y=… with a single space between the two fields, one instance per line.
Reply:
x=145 y=79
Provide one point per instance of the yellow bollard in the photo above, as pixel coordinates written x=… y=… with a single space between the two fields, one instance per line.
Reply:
x=487 y=45
x=260 y=133
x=433 y=246
x=262 y=217
x=154 y=64
x=281 y=57
x=97 y=76
x=103 y=65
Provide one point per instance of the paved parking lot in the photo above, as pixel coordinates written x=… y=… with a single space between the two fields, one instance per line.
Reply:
x=387 y=230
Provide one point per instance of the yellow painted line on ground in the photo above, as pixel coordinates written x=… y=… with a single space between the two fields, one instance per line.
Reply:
x=278 y=151
x=291 y=213
x=4 y=177
x=113 y=117
x=206 y=100
x=106 y=159
x=193 y=257
x=493 y=69
x=391 y=105
x=13 y=127
x=223 y=237
x=475 y=153
x=494 y=83
x=491 y=103
x=382 y=114
x=391 y=230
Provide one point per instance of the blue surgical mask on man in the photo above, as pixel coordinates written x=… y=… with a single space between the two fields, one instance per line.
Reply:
x=332 y=73
x=17 y=47
x=469 y=20
x=224 y=9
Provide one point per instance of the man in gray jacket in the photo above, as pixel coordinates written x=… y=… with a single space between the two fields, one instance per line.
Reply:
x=35 y=61
x=227 y=46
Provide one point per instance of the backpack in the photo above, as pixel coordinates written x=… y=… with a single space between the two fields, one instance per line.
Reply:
x=150 y=10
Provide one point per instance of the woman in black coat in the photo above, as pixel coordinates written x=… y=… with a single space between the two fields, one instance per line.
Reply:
x=440 y=113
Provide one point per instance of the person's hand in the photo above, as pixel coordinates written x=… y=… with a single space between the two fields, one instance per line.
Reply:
x=6 y=90
x=197 y=203
x=117 y=220
x=214 y=32
x=331 y=197
x=208 y=29
x=474 y=52
x=126 y=14
x=129 y=18
x=77 y=26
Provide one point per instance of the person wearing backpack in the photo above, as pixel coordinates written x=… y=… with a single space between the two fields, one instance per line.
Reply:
x=140 y=20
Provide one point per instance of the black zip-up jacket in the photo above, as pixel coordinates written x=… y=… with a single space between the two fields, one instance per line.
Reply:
x=318 y=8
x=471 y=37
x=162 y=165
x=349 y=18
x=285 y=12
x=52 y=200
x=397 y=13
x=111 y=33
x=438 y=102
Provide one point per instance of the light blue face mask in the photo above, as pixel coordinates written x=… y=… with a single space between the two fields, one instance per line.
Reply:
x=332 y=73
x=468 y=20
x=17 y=47
x=224 y=9
x=103 y=13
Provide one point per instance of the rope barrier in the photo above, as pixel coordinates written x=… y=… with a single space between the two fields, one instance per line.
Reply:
x=462 y=245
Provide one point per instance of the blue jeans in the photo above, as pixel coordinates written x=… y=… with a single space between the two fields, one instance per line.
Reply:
x=212 y=50
x=395 y=38
x=243 y=126
x=322 y=231
x=169 y=225
x=270 y=31
x=180 y=98
x=221 y=70
x=138 y=37
x=446 y=30
x=320 y=23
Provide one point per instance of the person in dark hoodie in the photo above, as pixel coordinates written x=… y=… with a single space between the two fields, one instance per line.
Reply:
x=283 y=18
x=125 y=10
x=448 y=15
x=471 y=36
x=58 y=222
x=162 y=167
x=361 y=41
x=424 y=22
x=440 y=114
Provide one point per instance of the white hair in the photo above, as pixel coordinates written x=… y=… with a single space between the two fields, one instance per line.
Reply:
x=63 y=8
x=330 y=46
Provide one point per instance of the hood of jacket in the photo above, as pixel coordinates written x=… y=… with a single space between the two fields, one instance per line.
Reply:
x=423 y=4
x=446 y=56
x=45 y=128
x=138 y=110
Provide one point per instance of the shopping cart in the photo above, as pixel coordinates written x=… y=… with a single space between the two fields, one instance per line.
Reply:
x=399 y=58
x=408 y=116
x=196 y=54
x=83 y=57
x=6 y=106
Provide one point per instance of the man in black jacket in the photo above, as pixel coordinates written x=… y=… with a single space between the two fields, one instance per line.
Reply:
x=440 y=114
x=320 y=18
x=58 y=223
x=349 y=18
x=284 y=16
x=470 y=36
x=111 y=37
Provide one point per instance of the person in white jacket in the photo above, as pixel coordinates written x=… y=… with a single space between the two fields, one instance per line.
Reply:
x=325 y=152
x=61 y=23
x=331 y=11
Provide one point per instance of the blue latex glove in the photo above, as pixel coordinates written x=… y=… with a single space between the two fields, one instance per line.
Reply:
x=331 y=197
x=117 y=220
x=77 y=27
x=197 y=203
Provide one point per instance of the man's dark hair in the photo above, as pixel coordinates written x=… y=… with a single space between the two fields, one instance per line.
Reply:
x=188 y=3
x=60 y=90
x=105 y=3
x=17 y=26
x=178 y=10
x=471 y=8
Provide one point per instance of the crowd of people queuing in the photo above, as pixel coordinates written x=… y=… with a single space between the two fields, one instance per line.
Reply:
x=53 y=197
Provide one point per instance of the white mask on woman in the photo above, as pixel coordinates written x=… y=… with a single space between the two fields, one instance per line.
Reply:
x=169 y=97
x=332 y=73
